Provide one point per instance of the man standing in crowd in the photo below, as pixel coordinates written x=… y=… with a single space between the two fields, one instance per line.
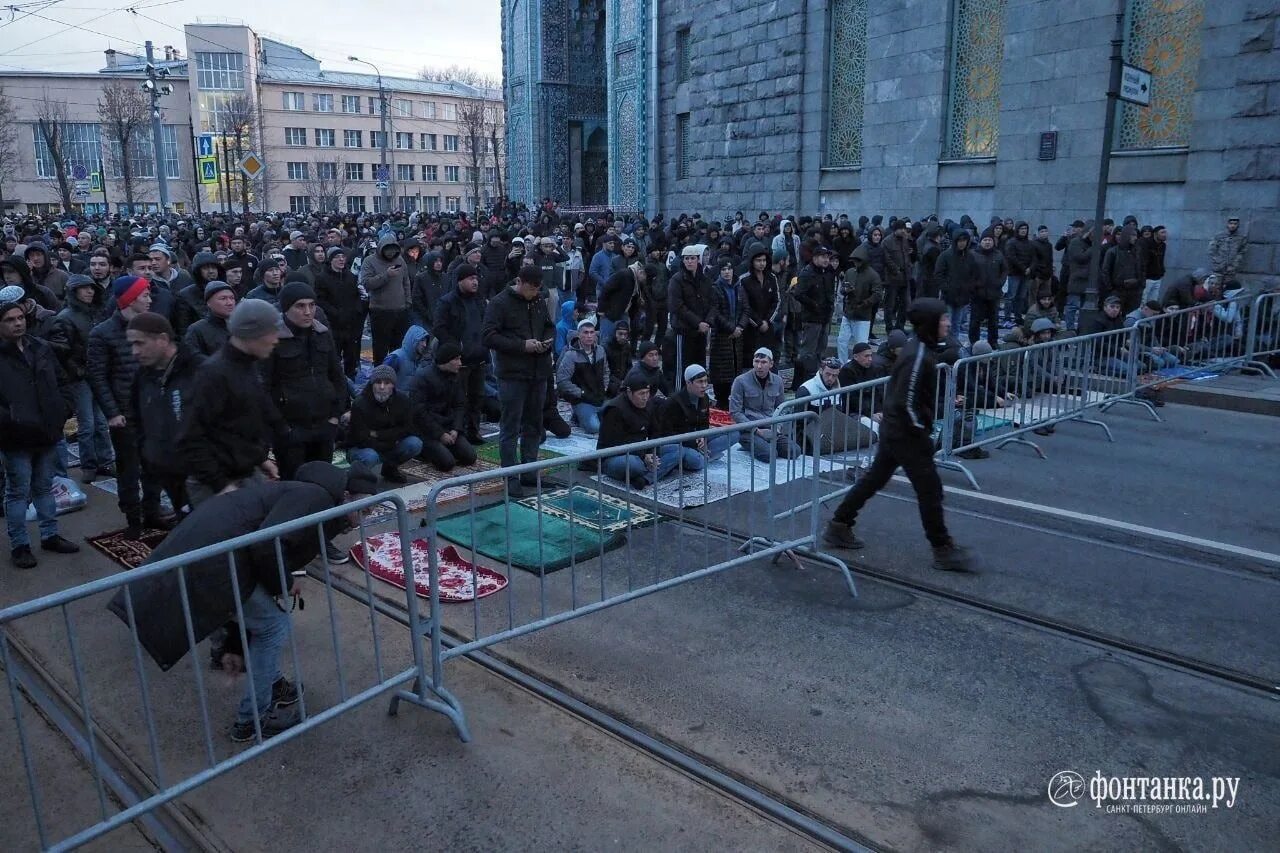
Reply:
x=689 y=300
x=338 y=295
x=384 y=277
x=69 y=338
x=1226 y=252
x=518 y=330
x=304 y=378
x=459 y=321
x=272 y=274
x=906 y=442
x=34 y=404
x=208 y=335
x=815 y=291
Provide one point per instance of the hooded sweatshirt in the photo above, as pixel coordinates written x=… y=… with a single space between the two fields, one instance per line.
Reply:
x=910 y=399
x=406 y=360
x=388 y=290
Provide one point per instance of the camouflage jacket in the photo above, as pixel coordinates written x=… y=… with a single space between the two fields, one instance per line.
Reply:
x=1226 y=252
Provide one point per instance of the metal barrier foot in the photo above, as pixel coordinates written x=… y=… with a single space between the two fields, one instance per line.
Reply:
x=446 y=704
x=1017 y=439
x=823 y=557
x=1258 y=368
x=746 y=548
x=1105 y=428
x=1135 y=401
x=952 y=465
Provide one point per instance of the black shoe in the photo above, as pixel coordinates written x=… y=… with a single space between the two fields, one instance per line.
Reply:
x=22 y=557
x=952 y=558
x=1044 y=430
x=514 y=489
x=557 y=426
x=476 y=439
x=107 y=471
x=161 y=522
x=335 y=555
x=975 y=453
x=274 y=721
x=840 y=535
x=133 y=532
x=529 y=479
x=88 y=475
x=59 y=545
x=393 y=474
x=284 y=693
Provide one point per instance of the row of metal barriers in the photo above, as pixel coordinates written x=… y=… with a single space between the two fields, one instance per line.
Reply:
x=479 y=566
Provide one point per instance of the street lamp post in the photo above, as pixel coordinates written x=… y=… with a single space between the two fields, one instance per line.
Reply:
x=382 y=109
x=156 y=87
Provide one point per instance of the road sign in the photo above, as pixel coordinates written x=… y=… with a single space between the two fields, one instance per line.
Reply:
x=79 y=172
x=382 y=185
x=1049 y=145
x=208 y=170
x=251 y=165
x=382 y=175
x=1135 y=85
x=95 y=182
x=81 y=193
x=204 y=145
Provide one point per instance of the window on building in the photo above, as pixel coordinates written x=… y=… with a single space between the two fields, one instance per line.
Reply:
x=472 y=174
x=431 y=174
x=81 y=143
x=684 y=56
x=682 y=145
x=404 y=171
x=428 y=142
x=378 y=206
x=295 y=101
x=375 y=139
x=326 y=171
x=351 y=103
x=295 y=136
x=355 y=171
x=490 y=175
x=450 y=112
x=846 y=85
x=404 y=141
x=977 y=53
x=450 y=142
x=451 y=174
x=296 y=171
x=408 y=203
x=142 y=161
x=351 y=138
x=428 y=109
x=1163 y=38
x=219 y=71
x=453 y=203
x=355 y=204
x=299 y=204
x=401 y=107
x=322 y=103
x=431 y=203
x=373 y=106
x=326 y=137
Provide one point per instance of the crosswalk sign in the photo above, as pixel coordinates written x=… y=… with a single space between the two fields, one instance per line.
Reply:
x=208 y=170
x=95 y=182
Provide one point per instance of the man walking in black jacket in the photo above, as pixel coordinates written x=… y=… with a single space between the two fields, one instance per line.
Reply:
x=34 y=404
x=162 y=390
x=518 y=330
x=909 y=413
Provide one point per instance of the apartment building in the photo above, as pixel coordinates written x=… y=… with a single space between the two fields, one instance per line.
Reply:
x=318 y=132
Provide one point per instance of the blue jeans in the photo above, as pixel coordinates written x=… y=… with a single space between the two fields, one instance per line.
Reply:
x=763 y=449
x=1159 y=361
x=522 y=402
x=1112 y=366
x=92 y=432
x=588 y=417
x=1013 y=295
x=268 y=628
x=29 y=477
x=959 y=318
x=406 y=448
x=851 y=332
x=630 y=469
x=606 y=327
x=676 y=456
x=1072 y=312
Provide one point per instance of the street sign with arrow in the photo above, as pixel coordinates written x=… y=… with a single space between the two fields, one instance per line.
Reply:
x=1135 y=85
x=204 y=145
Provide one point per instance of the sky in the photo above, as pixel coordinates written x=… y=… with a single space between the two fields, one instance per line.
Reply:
x=40 y=33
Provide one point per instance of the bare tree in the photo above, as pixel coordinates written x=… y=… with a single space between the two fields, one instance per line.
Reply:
x=51 y=122
x=8 y=143
x=496 y=149
x=460 y=74
x=474 y=132
x=326 y=184
x=126 y=119
x=240 y=124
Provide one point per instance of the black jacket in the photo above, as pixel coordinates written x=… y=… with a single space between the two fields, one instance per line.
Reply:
x=227 y=429
x=616 y=295
x=957 y=275
x=157 y=600
x=866 y=402
x=34 y=399
x=509 y=321
x=207 y=336
x=1042 y=259
x=1019 y=254
x=155 y=408
x=428 y=287
x=815 y=291
x=338 y=294
x=111 y=365
x=991 y=274
x=69 y=337
x=459 y=319
x=379 y=426
x=683 y=413
x=911 y=397
x=304 y=376
x=188 y=307
x=622 y=423
x=438 y=402
x=688 y=300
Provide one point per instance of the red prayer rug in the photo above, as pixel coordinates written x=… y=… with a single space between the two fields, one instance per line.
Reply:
x=456 y=574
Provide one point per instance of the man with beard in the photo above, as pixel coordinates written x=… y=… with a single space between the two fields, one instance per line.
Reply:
x=382 y=429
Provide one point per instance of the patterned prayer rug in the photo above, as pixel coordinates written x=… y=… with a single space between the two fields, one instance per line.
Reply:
x=458 y=578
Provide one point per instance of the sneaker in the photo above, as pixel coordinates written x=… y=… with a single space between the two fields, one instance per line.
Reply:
x=59 y=545
x=952 y=558
x=840 y=535
x=273 y=722
x=284 y=693
x=975 y=453
x=335 y=555
x=22 y=557
x=393 y=474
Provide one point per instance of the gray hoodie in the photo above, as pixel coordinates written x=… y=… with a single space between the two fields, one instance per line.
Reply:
x=388 y=291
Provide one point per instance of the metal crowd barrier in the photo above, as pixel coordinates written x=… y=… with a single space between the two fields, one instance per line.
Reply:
x=331 y=683
x=1202 y=340
x=1263 y=342
x=599 y=575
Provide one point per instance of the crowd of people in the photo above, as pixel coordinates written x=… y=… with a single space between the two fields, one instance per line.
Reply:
x=199 y=356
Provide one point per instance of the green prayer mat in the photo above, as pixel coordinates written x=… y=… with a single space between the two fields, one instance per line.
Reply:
x=490 y=453
x=539 y=542
x=585 y=505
